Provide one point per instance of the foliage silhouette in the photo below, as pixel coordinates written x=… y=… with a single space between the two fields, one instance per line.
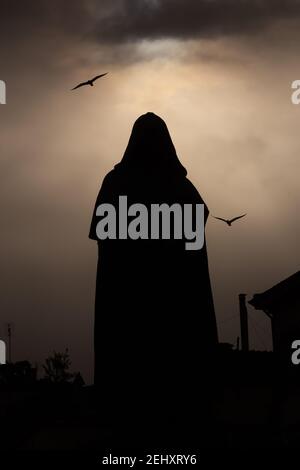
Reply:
x=57 y=368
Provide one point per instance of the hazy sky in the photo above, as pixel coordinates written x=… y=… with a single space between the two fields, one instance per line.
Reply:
x=218 y=72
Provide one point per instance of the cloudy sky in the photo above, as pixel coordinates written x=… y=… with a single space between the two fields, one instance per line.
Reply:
x=219 y=72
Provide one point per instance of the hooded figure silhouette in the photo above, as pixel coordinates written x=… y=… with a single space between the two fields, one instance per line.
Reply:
x=155 y=324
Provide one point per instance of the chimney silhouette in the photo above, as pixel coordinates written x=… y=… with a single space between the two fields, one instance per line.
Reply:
x=244 y=322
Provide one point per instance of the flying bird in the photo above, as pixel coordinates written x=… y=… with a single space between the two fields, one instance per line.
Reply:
x=89 y=82
x=229 y=222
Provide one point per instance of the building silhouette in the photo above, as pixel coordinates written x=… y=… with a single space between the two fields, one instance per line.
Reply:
x=281 y=303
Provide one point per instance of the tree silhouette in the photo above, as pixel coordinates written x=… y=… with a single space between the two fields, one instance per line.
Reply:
x=57 y=367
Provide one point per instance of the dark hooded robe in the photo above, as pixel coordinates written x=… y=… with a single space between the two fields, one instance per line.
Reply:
x=155 y=323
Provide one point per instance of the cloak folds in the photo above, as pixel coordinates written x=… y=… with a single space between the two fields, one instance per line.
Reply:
x=155 y=324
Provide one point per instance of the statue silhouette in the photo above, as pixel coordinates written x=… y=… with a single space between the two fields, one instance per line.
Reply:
x=155 y=324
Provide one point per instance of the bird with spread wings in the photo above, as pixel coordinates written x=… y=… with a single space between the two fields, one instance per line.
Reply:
x=89 y=82
x=229 y=221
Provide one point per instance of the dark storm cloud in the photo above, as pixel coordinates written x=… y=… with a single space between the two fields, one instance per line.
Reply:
x=30 y=16
x=190 y=19
x=120 y=21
